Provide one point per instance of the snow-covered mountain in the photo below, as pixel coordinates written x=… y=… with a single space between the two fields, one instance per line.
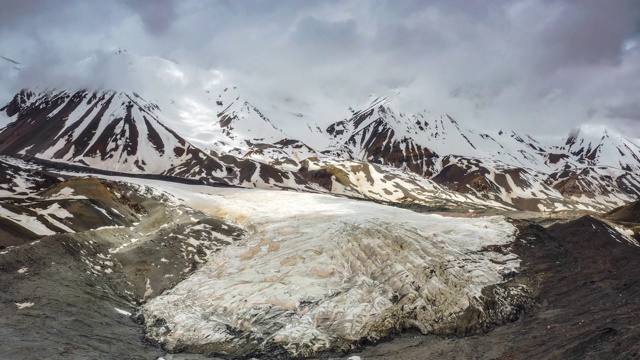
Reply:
x=380 y=133
x=600 y=146
x=504 y=166
x=168 y=119
x=121 y=132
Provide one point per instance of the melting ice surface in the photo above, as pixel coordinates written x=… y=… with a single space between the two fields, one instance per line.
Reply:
x=317 y=272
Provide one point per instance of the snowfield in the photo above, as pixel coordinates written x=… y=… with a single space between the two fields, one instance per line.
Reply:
x=317 y=272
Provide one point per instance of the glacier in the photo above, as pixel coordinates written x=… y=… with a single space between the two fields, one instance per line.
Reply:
x=317 y=273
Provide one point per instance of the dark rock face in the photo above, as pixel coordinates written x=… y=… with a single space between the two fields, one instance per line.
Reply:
x=555 y=158
x=592 y=183
x=379 y=145
x=35 y=132
x=629 y=213
x=465 y=176
x=321 y=177
x=19 y=102
x=585 y=282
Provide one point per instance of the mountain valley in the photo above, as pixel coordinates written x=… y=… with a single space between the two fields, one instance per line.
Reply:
x=142 y=225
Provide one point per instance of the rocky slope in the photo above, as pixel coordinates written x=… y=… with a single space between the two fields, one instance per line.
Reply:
x=82 y=253
x=27 y=212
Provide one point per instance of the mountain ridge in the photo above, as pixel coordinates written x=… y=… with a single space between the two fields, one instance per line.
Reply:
x=116 y=131
x=213 y=133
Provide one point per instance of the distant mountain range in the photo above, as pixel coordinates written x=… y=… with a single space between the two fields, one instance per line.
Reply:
x=375 y=151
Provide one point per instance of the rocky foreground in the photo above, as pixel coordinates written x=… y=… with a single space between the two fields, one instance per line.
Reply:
x=71 y=278
x=164 y=267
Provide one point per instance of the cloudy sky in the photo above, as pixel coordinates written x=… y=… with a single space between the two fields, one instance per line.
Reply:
x=540 y=66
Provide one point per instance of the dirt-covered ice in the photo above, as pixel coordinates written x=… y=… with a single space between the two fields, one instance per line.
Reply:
x=317 y=273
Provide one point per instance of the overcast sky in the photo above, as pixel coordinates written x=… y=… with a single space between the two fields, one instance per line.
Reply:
x=538 y=66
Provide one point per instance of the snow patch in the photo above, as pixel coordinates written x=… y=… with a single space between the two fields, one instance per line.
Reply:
x=29 y=222
x=24 y=305
x=120 y=311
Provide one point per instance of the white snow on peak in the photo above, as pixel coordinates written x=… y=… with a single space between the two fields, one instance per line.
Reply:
x=600 y=145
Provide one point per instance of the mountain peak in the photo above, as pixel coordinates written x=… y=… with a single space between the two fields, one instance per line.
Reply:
x=593 y=130
x=599 y=144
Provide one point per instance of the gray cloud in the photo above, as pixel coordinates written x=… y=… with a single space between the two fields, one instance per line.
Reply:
x=587 y=33
x=535 y=65
x=628 y=110
x=156 y=15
